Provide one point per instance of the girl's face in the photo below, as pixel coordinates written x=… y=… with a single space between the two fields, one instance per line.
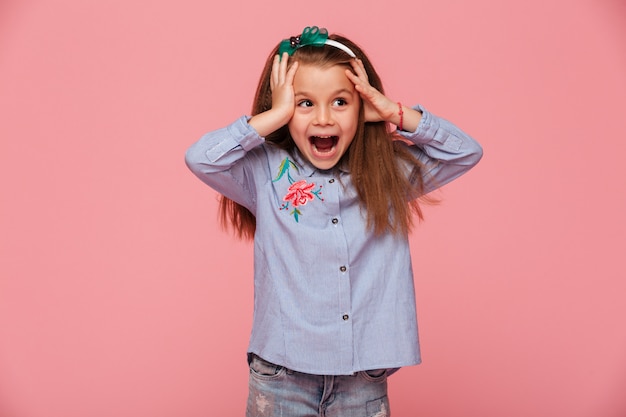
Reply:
x=326 y=116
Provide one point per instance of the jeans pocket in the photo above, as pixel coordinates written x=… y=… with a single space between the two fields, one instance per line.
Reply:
x=374 y=375
x=261 y=368
x=378 y=407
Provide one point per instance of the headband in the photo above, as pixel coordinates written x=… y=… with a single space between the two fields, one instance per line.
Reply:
x=311 y=36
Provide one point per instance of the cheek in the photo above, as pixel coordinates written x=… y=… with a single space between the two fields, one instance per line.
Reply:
x=293 y=127
x=298 y=121
x=297 y=131
x=356 y=112
x=353 y=121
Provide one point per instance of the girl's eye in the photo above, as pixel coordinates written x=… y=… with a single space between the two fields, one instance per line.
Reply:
x=340 y=102
x=305 y=103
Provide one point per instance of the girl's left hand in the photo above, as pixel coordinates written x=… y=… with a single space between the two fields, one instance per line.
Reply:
x=377 y=107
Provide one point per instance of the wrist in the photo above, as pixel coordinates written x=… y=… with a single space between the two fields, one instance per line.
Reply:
x=397 y=115
x=269 y=121
x=400 y=117
x=410 y=118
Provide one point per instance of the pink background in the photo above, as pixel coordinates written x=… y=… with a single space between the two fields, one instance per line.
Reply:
x=120 y=296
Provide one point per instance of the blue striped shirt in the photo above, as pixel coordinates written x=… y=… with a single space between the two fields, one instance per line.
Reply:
x=330 y=297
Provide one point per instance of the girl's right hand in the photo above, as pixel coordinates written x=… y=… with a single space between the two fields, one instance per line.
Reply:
x=283 y=98
x=281 y=84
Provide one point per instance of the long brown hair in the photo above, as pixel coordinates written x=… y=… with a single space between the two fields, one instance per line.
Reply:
x=375 y=158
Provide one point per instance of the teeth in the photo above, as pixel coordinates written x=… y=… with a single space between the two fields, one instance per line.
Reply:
x=328 y=143
x=326 y=151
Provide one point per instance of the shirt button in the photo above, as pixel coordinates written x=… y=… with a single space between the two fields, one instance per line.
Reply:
x=345 y=317
x=331 y=180
x=342 y=268
x=335 y=220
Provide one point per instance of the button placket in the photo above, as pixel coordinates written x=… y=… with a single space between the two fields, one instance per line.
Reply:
x=344 y=306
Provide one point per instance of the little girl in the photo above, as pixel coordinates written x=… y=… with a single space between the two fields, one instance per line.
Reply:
x=328 y=192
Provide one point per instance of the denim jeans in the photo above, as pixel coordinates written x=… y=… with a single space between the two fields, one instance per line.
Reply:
x=275 y=391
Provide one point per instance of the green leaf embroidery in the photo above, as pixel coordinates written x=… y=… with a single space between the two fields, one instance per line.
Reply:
x=284 y=169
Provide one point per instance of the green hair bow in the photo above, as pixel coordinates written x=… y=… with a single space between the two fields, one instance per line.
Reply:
x=311 y=36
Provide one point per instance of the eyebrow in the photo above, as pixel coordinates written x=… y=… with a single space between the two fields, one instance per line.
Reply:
x=335 y=93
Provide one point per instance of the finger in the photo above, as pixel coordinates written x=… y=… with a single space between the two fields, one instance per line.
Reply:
x=274 y=73
x=359 y=69
x=359 y=84
x=352 y=76
x=291 y=73
x=283 y=67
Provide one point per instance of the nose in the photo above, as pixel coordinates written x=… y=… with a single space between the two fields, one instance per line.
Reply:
x=323 y=116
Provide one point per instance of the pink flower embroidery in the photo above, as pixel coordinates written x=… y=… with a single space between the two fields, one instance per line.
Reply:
x=299 y=193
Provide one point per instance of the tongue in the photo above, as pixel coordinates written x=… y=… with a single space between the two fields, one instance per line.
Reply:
x=323 y=144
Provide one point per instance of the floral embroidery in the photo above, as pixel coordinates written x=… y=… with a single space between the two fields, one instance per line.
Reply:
x=284 y=169
x=299 y=192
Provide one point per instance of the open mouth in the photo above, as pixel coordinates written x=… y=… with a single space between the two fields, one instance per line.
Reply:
x=323 y=144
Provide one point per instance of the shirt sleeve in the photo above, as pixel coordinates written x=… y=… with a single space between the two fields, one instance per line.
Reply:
x=445 y=150
x=218 y=160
